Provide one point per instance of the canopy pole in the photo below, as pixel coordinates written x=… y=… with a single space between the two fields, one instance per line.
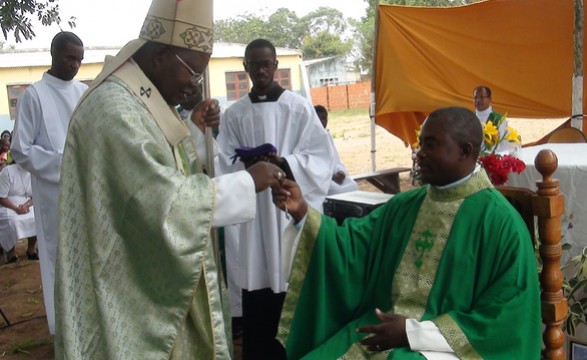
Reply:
x=577 y=107
x=372 y=119
x=372 y=107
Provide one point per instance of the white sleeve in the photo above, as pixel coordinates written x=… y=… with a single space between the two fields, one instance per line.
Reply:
x=236 y=200
x=426 y=338
x=40 y=162
x=289 y=245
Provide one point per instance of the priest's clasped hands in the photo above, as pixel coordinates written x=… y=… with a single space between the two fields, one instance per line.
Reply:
x=389 y=334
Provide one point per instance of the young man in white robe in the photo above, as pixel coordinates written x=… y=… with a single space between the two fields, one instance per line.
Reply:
x=270 y=114
x=42 y=118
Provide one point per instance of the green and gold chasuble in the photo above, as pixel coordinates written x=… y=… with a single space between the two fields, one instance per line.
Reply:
x=136 y=277
x=460 y=257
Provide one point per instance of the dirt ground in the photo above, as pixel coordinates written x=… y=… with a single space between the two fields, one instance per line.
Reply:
x=21 y=298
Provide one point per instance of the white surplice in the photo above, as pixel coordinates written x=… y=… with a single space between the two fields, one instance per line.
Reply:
x=42 y=118
x=348 y=184
x=290 y=123
x=15 y=185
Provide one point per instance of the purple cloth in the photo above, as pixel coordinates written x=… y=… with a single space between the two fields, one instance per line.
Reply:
x=245 y=152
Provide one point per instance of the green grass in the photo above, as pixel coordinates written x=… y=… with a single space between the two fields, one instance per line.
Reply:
x=348 y=112
x=32 y=300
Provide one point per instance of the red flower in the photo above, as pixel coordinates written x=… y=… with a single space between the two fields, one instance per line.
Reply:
x=498 y=167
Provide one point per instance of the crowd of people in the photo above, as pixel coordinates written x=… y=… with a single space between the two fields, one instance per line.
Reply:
x=127 y=217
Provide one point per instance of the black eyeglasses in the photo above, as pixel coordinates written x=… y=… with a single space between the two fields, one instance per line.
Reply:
x=253 y=65
x=197 y=78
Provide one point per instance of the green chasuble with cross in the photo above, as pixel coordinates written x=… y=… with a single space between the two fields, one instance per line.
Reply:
x=460 y=257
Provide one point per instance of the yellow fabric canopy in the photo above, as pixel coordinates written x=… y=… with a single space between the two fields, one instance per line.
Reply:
x=427 y=58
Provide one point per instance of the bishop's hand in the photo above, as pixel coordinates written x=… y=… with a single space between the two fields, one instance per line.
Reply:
x=265 y=175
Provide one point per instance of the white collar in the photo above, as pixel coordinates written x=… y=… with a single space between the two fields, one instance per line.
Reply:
x=483 y=115
x=458 y=182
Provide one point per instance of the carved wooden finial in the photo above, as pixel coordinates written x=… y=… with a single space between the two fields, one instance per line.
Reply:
x=546 y=163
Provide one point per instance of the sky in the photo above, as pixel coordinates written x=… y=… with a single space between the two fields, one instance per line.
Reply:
x=115 y=22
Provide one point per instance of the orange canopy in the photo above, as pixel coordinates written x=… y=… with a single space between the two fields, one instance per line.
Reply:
x=428 y=58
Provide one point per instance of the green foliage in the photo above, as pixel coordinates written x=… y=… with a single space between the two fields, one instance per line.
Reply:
x=318 y=34
x=16 y=15
x=324 y=44
x=242 y=29
x=575 y=289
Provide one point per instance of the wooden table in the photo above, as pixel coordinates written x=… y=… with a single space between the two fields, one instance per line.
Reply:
x=571 y=174
x=385 y=180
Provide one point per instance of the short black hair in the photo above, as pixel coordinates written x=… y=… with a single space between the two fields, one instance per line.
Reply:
x=61 y=40
x=320 y=109
x=462 y=125
x=487 y=90
x=260 y=44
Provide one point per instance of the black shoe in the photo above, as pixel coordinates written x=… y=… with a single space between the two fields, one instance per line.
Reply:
x=33 y=256
x=237 y=327
x=12 y=260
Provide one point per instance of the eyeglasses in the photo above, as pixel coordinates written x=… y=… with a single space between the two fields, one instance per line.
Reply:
x=197 y=78
x=480 y=97
x=257 y=65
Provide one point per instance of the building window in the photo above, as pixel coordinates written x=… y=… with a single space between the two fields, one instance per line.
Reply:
x=283 y=78
x=329 y=81
x=14 y=92
x=237 y=85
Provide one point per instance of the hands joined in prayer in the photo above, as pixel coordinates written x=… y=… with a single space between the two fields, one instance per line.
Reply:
x=389 y=334
x=23 y=208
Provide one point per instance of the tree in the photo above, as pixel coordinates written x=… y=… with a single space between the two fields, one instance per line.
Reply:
x=324 y=44
x=242 y=29
x=319 y=33
x=283 y=25
x=16 y=16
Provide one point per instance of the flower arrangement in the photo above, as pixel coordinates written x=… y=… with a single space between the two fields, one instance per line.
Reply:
x=499 y=165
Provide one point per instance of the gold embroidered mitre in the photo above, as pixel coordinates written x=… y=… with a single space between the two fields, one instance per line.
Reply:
x=182 y=23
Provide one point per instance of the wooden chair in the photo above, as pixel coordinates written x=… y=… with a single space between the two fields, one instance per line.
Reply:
x=567 y=135
x=546 y=205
